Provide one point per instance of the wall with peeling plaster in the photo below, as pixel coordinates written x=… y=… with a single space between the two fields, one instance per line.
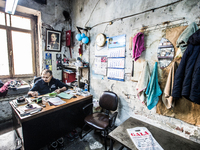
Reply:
x=51 y=18
x=84 y=14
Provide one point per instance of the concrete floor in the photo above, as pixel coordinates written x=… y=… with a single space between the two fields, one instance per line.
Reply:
x=93 y=141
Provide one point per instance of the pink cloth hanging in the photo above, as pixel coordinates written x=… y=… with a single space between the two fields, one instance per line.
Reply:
x=138 y=45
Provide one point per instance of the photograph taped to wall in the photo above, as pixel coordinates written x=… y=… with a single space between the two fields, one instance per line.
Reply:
x=100 y=65
x=58 y=61
x=53 y=40
x=117 y=41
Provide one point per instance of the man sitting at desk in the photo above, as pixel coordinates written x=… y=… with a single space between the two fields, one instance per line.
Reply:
x=47 y=84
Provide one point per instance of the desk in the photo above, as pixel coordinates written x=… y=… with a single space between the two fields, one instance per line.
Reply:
x=51 y=123
x=167 y=140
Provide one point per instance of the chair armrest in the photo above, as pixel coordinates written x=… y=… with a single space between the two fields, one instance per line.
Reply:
x=87 y=107
x=112 y=119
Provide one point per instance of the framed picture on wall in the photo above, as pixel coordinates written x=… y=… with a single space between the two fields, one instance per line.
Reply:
x=53 y=40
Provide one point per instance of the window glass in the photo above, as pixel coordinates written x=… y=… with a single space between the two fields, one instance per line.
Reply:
x=22 y=53
x=21 y=22
x=4 y=65
x=8 y=19
x=2 y=18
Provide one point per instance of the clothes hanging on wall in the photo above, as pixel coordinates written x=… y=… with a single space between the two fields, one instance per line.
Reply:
x=143 y=82
x=138 y=45
x=182 y=41
x=153 y=90
x=187 y=76
x=167 y=93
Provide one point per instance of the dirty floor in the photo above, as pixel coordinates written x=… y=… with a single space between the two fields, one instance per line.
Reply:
x=92 y=141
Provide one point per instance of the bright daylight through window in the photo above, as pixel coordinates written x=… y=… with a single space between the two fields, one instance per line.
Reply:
x=17 y=46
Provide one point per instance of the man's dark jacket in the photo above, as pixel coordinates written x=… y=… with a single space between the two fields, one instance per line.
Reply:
x=187 y=76
x=44 y=88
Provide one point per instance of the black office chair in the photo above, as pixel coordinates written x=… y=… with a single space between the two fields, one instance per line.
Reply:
x=36 y=78
x=103 y=121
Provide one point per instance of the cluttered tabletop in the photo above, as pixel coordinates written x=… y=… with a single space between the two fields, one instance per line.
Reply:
x=30 y=107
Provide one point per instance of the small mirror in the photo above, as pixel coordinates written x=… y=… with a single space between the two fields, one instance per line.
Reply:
x=165 y=53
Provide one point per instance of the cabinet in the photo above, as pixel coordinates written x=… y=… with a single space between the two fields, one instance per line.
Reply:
x=79 y=72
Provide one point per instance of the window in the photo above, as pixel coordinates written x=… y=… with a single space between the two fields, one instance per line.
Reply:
x=18 y=45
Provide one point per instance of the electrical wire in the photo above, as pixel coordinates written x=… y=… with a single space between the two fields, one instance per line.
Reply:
x=167 y=23
x=116 y=19
x=91 y=13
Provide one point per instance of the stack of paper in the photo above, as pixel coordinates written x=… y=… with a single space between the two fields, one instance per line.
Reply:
x=23 y=110
x=65 y=95
x=56 y=101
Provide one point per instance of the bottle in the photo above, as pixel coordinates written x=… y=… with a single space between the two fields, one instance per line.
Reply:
x=86 y=87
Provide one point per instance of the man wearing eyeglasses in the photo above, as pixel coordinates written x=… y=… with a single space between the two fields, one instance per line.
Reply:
x=47 y=84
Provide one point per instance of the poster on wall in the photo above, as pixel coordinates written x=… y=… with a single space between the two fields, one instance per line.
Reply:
x=117 y=41
x=101 y=51
x=48 y=61
x=58 y=61
x=100 y=65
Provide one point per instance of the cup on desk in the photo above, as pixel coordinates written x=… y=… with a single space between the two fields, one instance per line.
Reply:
x=44 y=100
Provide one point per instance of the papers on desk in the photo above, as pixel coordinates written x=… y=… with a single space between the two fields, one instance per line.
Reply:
x=56 y=101
x=23 y=110
x=143 y=139
x=69 y=91
x=65 y=95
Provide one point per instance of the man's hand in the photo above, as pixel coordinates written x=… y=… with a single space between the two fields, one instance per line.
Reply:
x=33 y=93
x=57 y=91
x=60 y=90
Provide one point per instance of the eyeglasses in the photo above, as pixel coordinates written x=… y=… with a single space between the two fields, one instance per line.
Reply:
x=45 y=77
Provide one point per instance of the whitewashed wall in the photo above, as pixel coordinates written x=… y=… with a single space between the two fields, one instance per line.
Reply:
x=107 y=10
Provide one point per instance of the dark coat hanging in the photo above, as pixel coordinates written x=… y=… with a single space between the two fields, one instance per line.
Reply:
x=187 y=76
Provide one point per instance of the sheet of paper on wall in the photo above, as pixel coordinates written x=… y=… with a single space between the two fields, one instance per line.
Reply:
x=115 y=74
x=117 y=41
x=116 y=62
x=100 y=65
x=116 y=52
x=101 y=51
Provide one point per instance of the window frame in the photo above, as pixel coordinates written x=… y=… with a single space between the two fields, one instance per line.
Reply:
x=34 y=41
